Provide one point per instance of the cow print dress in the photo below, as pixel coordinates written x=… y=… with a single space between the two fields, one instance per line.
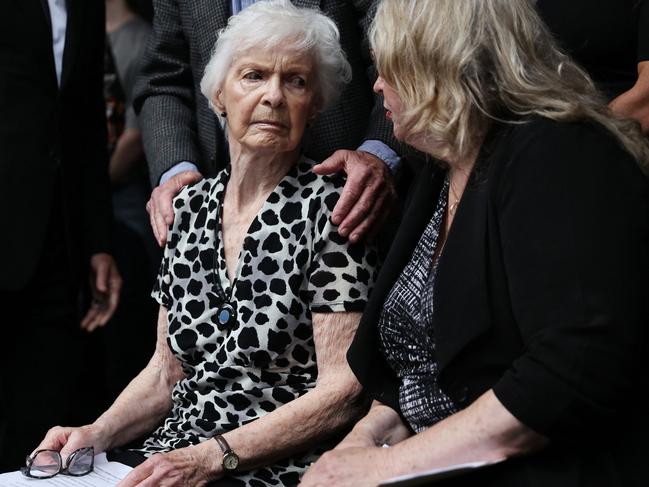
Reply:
x=292 y=263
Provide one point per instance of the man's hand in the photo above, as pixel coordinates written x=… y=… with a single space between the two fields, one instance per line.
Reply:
x=105 y=283
x=192 y=466
x=367 y=196
x=161 y=212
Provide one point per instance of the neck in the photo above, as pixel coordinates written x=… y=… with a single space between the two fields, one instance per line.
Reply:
x=117 y=13
x=254 y=175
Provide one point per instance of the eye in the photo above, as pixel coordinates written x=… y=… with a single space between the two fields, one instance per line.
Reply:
x=298 y=81
x=252 y=75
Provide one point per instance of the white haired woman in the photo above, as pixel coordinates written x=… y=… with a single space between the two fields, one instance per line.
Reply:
x=259 y=295
x=510 y=317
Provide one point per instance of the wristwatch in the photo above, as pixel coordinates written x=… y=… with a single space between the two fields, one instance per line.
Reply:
x=230 y=460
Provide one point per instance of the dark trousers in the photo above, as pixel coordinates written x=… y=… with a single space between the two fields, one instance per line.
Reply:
x=43 y=367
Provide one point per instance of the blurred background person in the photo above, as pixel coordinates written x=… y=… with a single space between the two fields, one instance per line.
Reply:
x=54 y=202
x=128 y=342
x=509 y=320
x=610 y=40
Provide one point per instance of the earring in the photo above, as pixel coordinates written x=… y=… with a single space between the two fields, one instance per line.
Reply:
x=224 y=114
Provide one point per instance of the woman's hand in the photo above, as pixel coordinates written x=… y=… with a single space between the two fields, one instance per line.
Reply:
x=67 y=439
x=350 y=467
x=193 y=466
x=382 y=425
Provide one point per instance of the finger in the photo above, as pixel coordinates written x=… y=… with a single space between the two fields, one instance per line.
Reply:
x=383 y=215
x=113 y=299
x=91 y=317
x=349 y=197
x=161 y=227
x=152 y=222
x=54 y=439
x=137 y=475
x=165 y=206
x=370 y=221
x=333 y=164
x=362 y=200
x=101 y=278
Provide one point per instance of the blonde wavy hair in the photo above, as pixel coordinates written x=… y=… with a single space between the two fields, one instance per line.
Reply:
x=458 y=65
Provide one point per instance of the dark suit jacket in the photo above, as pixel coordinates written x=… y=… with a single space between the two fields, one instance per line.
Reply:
x=52 y=141
x=177 y=123
x=541 y=294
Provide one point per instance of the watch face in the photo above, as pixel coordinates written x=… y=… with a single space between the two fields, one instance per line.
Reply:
x=230 y=461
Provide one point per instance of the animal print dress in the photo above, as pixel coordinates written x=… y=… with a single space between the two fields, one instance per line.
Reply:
x=292 y=263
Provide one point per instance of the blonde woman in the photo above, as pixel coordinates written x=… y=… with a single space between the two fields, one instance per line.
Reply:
x=510 y=318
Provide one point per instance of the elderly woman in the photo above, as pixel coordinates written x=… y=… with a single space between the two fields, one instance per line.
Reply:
x=510 y=317
x=259 y=295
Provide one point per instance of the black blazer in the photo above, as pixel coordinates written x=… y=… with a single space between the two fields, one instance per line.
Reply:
x=541 y=294
x=178 y=125
x=52 y=141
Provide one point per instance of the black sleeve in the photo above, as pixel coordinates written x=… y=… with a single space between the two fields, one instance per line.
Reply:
x=574 y=219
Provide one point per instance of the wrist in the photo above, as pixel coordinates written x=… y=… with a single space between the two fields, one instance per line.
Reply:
x=104 y=436
x=212 y=459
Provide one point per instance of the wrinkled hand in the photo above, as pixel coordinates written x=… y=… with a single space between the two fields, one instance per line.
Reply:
x=105 y=283
x=367 y=196
x=193 y=466
x=161 y=212
x=357 y=438
x=351 y=467
x=67 y=440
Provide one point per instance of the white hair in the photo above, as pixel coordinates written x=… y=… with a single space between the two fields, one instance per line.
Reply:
x=274 y=23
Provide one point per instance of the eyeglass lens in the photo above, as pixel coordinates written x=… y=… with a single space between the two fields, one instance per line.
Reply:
x=45 y=464
x=80 y=462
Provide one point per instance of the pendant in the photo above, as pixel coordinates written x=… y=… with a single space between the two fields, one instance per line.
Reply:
x=227 y=315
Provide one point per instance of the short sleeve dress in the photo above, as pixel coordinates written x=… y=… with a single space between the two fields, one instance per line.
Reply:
x=293 y=262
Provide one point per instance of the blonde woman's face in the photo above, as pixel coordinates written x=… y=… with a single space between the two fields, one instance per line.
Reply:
x=392 y=104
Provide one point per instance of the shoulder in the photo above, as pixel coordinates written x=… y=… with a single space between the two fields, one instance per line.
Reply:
x=325 y=190
x=195 y=196
x=569 y=151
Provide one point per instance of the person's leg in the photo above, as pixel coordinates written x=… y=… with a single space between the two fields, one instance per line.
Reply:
x=43 y=368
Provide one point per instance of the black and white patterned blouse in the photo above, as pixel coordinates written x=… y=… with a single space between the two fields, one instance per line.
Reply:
x=406 y=334
x=292 y=263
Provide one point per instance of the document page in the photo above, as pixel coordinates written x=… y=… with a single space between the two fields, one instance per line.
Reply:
x=105 y=474
x=425 y=477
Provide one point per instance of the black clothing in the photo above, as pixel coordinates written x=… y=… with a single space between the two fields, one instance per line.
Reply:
x=541 y=295
x=607 y=37
x=55 y=214
x=406 y=334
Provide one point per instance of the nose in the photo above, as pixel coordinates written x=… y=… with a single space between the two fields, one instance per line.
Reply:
x=378 y=85
x=274 y=94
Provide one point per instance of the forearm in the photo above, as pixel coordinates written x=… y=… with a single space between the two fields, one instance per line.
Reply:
x=128 y=152
x=485 y=431
x=298 y=425
x=138 y=409
x=147 y=398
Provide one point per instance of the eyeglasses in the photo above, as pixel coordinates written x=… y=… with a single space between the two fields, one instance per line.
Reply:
x=44 y=464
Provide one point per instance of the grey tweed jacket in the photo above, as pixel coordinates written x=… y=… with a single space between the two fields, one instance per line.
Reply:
x=176 y=121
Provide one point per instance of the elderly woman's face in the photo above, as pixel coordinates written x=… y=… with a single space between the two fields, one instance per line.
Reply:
x=269 y=96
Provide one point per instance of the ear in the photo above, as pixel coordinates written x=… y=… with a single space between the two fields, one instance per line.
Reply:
x=217 y=101
x=315 y=109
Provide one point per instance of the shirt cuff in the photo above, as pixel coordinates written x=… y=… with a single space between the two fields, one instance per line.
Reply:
x=180 y=167
x=383 y=152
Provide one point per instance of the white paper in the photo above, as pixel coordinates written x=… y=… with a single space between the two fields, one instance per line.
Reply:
x=105 y=474
x=434 y=474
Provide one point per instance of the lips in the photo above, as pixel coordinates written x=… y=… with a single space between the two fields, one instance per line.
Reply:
x=271 y=123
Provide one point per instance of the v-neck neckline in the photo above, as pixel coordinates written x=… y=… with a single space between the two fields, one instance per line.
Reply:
x=221 y=268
